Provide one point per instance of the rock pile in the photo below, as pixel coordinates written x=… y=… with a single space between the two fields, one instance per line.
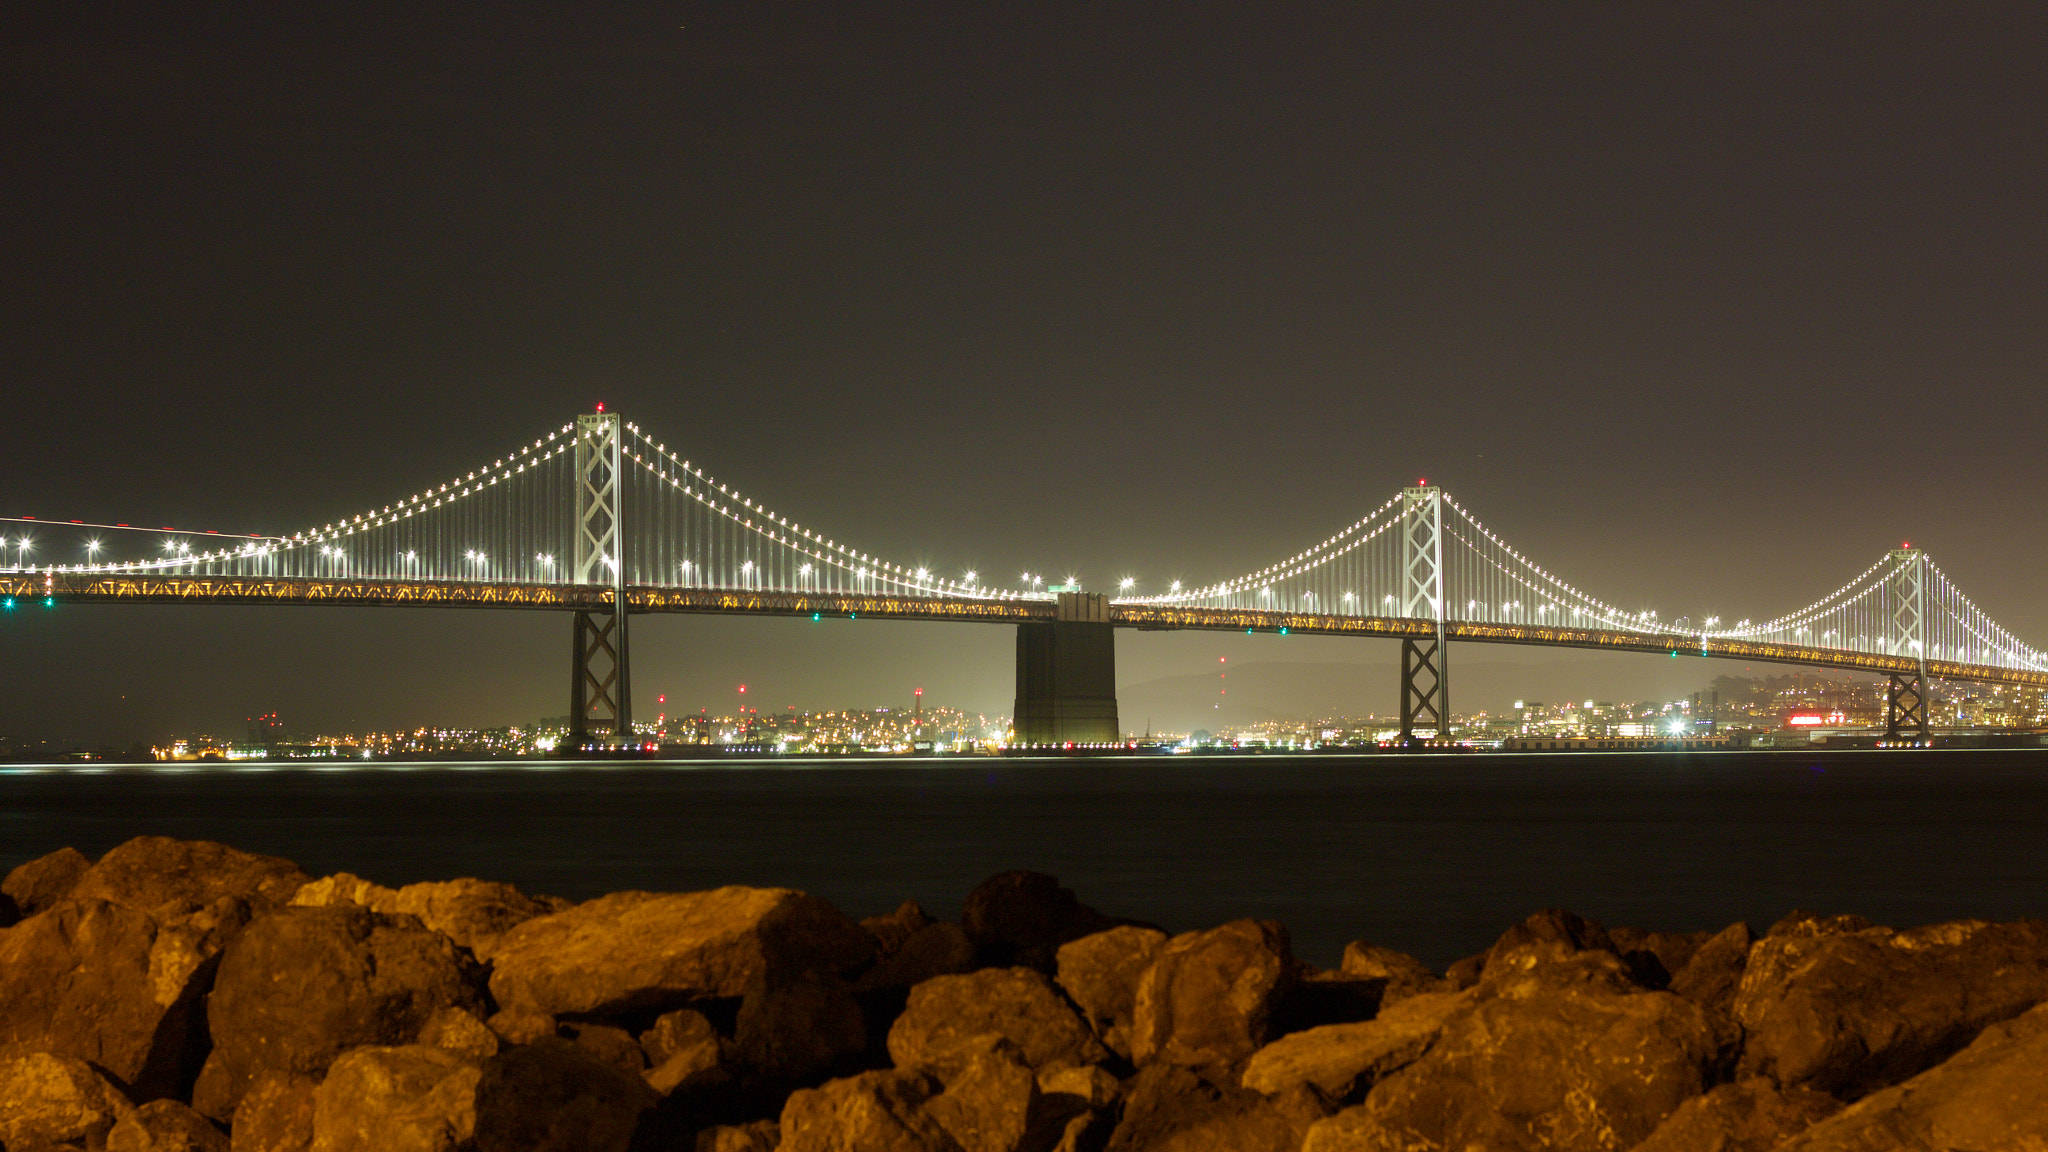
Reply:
x=178 y=996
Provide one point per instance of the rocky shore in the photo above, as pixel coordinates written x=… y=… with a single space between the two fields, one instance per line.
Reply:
x=183 y=996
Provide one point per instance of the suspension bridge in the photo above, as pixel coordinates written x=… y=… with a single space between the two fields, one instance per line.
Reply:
x=600 y=520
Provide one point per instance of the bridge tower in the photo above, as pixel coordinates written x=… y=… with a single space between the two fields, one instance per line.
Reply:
x=1066 y=674
x=1905 y=592
x=1425 y=674
x=600 y=695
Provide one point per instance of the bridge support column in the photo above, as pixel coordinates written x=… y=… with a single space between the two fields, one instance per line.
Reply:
x=600 y=693
x=1905 y=706
x=1905 y=697
x=1066 y=675
x=1425 y=670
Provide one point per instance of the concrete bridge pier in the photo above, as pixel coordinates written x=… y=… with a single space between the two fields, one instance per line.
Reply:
x=1066 y=674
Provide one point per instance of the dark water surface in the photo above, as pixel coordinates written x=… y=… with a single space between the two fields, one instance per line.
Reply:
x=1434 y=855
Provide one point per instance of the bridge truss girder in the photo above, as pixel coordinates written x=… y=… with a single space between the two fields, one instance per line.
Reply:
x=600 y=690
x=1905 y=705
x=1425 y=693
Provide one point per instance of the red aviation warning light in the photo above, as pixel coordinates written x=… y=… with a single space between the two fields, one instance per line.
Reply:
x=600 y=405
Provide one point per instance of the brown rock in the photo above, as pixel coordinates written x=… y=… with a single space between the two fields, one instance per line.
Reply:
x=522 y=1026
x=302 y=985
x=799 y=1029
x=1018 y=1004
x=86 y=978
x=1171 y=1109
x=1021 y=918
x=685 y=1054
x=50 y=1100
x=1989 y=1095
x=1751 y=1115
x=1342 y=1061
x=1714 y=972
x=1405 y=976
x=674 y=1032
x=166 y=1126
x=1208 y=997
x=758 y=1136
x=551 y=1096
x=1848 y=1012
x=1090 y=1085
x=1540 y=1062
x=1463 y=974
x=474 y=913
x=891 y=931
x=645 y=951
x=937 y=949
x=275 y=1115
x=150 y=872
x=614 y=1046
x=458 y=1030
x=409 y=1098
x=871 y=1112
x=1672 y=950
x=43 y=881
x=989 y=1105
x=1547 y=936
x=1101 y=972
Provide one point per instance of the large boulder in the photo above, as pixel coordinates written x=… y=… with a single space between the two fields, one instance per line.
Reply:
x=43 y=881
x=551 y=1096
x=396 y=1099
x=1752 y=1115
x=1989 y=1095
x=1572 y=1057
x=799 y=1029
x=1208 y=997
x=474 y=913
x=1021 y=918
x=993 y=1103
x=300 y=986
x=871 y=1112
x=150 y=872
x=685 y=1053
x=1851 y=1011
x=1711 y=976
x=1173 y=1109
x=1342 y=1061
x=51 y=1101
x=112 y=985
x=938 y=1028
x=940 y=948
x=1101 y=972
x=166 y=1126
x=1547 y=937
x=653 y=952
x=1403 y=974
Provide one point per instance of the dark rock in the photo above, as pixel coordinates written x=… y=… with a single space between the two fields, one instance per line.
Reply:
x=1318 y=998
x=48 y=1101
x=1714 y=972
x=1751 y=1115
x=891 y=931
x=551 y=1096
x=1463 y=974
x=276 y=1114
x=1547 y=936
x=1851 y=1011
x=474 y=913
x=1568 y=1056
x=150 y=872
x=937 y=949
x=614 y=1046
x=685 y=1053
x=992 y=1101
x=1101 y=972
x=302 y=985
x=1208 y=997
x=947 y=1014
x=871 y=1112
x=799 y=1029
x=458 y=1030
x=166 y=1126
x=1989 y=1095
x=1172 y=1109
x=1404 y=975
x=651 y=952
x=43 y=881
x=1672 y=950
x=107 y=984
x=1021 y=918
x=1342 y=1061
x=522 y=1026
x=409 y=1098
x=757 y=1136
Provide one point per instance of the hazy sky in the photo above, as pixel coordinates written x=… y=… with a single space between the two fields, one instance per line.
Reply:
x=1702 y=305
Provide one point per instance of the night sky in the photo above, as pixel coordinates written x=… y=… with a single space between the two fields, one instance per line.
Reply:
x=1703 y=306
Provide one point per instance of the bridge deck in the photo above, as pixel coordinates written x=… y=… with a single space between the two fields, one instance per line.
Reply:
x=105 y=588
